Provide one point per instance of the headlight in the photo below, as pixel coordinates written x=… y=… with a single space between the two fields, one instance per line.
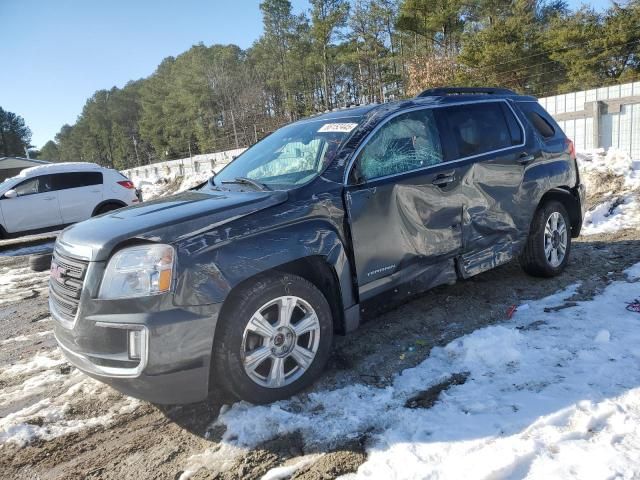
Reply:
x=138 y=272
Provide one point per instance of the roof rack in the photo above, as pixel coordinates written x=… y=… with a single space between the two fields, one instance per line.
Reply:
x=434 y=92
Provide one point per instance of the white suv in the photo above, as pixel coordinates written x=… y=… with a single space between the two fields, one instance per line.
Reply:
x=58 y=194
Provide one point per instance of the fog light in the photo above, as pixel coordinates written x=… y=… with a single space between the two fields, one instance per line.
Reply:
x=135 y=344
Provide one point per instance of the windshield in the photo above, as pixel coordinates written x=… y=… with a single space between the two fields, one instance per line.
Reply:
x=6 y=182
x=291 y=156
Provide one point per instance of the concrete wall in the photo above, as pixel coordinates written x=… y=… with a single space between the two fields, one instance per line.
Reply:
x=198 y=164
x=600 y=117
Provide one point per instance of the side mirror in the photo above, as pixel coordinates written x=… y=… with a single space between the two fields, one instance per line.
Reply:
x=10 y=194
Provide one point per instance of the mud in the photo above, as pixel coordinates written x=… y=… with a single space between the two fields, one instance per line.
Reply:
x=147 y=441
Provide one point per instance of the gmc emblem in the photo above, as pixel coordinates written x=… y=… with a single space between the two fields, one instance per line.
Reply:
x=57 y=272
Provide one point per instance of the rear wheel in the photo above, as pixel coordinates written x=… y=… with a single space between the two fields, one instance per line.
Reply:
x=273 y=340
x=108 y=207
x=546 y=253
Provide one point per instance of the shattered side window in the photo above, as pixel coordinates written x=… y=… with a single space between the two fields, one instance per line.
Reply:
x=405 y=143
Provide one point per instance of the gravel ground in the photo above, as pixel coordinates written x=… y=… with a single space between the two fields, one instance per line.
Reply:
x=83 y=429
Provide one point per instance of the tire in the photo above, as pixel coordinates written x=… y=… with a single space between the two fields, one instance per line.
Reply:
x=236 y=339
x=108 y=207
x=40 y=263
x=534 y=260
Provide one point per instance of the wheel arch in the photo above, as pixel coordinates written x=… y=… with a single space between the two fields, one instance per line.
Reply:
x=111 y=201
x=565 y=196
x=317 y=270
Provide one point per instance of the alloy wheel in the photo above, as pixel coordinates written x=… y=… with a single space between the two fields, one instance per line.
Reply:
x=555 y=239
x=280 y=341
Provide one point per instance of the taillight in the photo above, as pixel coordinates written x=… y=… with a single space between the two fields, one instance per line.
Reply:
x=572 y=148
x=127 y=184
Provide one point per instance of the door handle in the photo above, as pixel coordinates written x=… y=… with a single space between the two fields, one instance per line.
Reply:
x=525 y=158
x=443 y=179
x=49 y=198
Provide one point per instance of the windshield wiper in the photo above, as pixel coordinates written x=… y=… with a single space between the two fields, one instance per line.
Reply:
x=248 y=181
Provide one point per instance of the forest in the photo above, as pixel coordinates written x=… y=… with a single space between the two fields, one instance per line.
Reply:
x=340 y=53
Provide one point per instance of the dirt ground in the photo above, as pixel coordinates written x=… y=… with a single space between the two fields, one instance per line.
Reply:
x=147 y=441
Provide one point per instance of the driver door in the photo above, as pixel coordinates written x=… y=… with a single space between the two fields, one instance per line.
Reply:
x=404 y=203
x=35 y=207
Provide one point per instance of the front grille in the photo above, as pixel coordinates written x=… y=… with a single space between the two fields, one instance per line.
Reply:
x=65 y=291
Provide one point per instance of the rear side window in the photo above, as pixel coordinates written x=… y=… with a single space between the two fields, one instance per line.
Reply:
x=63 y=181
x=539 y=118
x=482 y=127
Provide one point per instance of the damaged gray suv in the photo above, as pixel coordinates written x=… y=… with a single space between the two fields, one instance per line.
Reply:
x=240 y=284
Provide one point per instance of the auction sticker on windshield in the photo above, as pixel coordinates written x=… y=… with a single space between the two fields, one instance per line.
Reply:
x=337 y=127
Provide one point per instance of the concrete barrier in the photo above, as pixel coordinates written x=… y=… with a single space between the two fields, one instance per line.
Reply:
x=198 y=164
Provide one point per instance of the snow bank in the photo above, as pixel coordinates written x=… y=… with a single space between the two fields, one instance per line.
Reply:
x=613 y=182
x=613 y=215
x=548 y=395
x=163 y=185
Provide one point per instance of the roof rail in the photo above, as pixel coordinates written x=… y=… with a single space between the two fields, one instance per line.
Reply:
x=434 y=92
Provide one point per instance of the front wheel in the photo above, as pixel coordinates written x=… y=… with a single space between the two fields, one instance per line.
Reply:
x=273 y=340
x=546 y=253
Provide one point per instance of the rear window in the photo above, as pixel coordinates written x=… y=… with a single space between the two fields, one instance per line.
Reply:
x=482 y=127
x=539 y=118
x=63 y=181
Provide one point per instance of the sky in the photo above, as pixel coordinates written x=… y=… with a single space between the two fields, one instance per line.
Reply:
x=56 y=53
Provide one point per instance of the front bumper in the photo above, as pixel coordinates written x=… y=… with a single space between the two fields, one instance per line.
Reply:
x=174 y=354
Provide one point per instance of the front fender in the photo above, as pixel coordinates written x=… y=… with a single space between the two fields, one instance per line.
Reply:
x=211 y=264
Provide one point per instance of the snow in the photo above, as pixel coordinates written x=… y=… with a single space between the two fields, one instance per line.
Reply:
x=633 y=273
x=20 y=283
x=25 y=338
x=613 y=215
x=284 y=472
x=58 y=168
x=548 y=395
x=616 y=171
x=35 y=413
x=162 y=185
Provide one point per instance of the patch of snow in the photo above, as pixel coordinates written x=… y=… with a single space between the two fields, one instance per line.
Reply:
x=554 y=401
x=25 y=338
x=58 y=168
x=610 y=216
x=594 y=163
x=286 y=471
x=38 y=362
x=633 y=273
x=35 y=413
x=603 y=336
x=20 y=283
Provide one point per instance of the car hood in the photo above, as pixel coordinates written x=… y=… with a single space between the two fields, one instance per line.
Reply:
x=164 y=220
